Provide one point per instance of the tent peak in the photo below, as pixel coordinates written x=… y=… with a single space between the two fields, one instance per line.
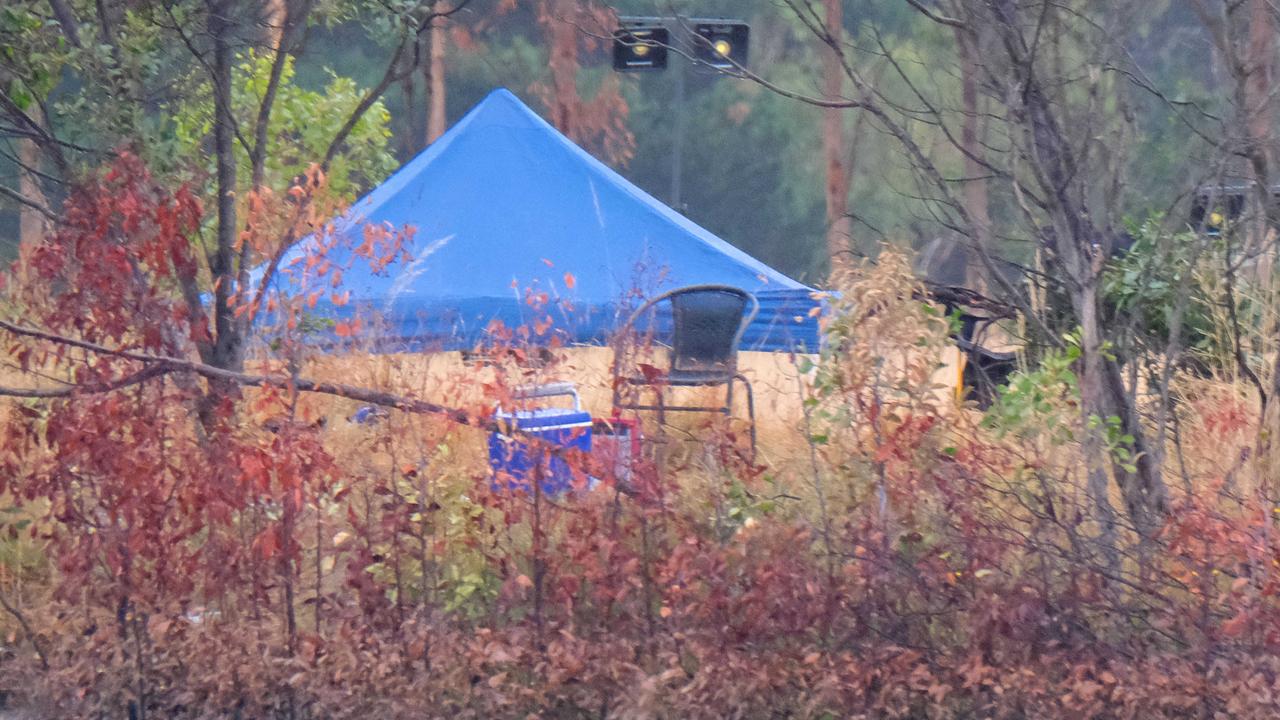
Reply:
x=502 y=107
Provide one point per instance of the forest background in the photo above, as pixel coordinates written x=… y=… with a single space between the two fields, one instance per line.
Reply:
x=768 y=203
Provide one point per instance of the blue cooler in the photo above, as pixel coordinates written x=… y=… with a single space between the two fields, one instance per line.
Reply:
x=511 y=459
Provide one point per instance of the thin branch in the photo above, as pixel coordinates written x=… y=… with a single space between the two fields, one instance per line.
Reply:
x=45 y=137
x=425 y=24
x=143 y=375
x=941 y=19
x=12 y=156
x=160 y=365
x=920 y=159
x=391 y=75
x=292 y=18
x=42 y=136
x=18 y=197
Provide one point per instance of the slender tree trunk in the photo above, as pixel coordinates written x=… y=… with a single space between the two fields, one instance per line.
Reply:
x=975 y=183
x=32 y=224
x=415 y=136
x=1259 y=85
x=839 y=224
x=434 y=85
x=1254 y=71
x=564 y=67
x=273 y=21
x=1255 y=88
x=227 y=351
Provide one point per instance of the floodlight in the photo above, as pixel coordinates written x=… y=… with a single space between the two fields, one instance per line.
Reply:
x=640 y=45
x=722 y=44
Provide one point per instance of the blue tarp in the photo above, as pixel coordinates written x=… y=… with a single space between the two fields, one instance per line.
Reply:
x=503 y=204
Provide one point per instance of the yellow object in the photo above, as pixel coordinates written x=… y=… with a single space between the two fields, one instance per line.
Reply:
x=640 y=50
x=1215 y=219
x=723 y=47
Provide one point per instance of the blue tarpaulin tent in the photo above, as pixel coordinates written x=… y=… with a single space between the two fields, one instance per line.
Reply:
x=502 y=204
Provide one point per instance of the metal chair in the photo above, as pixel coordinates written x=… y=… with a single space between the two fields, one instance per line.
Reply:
x=707 y=323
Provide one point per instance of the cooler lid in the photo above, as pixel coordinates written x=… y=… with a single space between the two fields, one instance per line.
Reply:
x=547 y=418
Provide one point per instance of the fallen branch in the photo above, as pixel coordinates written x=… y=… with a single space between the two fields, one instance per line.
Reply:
x=161 y=365
x=158 y=365
x=147 y=373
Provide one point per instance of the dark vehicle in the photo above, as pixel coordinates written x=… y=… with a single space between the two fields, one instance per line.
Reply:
x=1216 y=207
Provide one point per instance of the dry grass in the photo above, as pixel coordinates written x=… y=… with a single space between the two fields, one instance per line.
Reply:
x=779 y=387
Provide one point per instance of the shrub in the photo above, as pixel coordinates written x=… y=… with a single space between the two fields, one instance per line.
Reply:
x=920 y=564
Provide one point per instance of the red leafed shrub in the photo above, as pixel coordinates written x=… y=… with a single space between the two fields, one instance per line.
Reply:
x=913 y=563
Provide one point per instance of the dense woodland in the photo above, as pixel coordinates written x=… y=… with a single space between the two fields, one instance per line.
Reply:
x=190 y=529
x=770 y=204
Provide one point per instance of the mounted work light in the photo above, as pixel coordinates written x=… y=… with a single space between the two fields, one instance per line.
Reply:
x=640 y=45
x=1215 y=207
x=722 y=44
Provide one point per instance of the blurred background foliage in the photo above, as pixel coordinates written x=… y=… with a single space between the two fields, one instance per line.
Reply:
x=753 y=167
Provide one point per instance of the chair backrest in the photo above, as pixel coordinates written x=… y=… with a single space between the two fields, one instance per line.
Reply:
x=707 y=324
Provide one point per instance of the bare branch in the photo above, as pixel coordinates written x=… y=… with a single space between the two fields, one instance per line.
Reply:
x=19 y=198
x=424 y=25
x=392 y=74
x=942 y=19
x=42 y=136
x=161 y=365
x=200 y=58
x=148 y=373
x=258 y=154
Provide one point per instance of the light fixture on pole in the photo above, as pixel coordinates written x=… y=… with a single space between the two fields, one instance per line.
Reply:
x=640 y=44
x=722 y=44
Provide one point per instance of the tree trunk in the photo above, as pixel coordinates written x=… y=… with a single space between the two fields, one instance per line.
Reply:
x=415 y=136
x=564 y=67
x=975 y=183
x=1092 y=396
x=1076 y=244
x=32 y=224
x=273 y=22
x=434 y=85
x=1256 y=105
x=1255 y=71
x=227 y=349
x=839 y=224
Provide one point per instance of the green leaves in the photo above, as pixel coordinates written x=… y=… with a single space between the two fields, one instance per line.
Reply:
x=1040 y=402
x=33 y=54
x=302 y=125
x=18 y=93
x=1145 y=284
x=1119 y=444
